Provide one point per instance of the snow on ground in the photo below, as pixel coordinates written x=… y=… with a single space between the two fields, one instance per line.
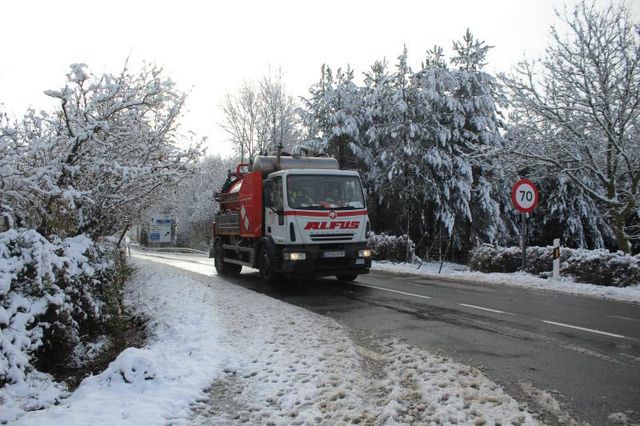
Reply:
x=517 y=279
x=221 y=354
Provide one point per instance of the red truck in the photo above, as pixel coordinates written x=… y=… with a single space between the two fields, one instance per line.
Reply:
x=292 y=217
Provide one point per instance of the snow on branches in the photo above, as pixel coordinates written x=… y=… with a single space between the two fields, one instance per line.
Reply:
x=425 y=141
x=259 y=117
x=51 y=293
x=577 y=111
x=94 y=163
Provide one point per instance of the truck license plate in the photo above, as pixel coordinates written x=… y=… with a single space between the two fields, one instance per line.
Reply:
x=333 y=254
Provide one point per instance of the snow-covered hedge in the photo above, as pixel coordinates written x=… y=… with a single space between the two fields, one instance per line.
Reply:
x=53 y=295
x=390 y=247
x=588 y=266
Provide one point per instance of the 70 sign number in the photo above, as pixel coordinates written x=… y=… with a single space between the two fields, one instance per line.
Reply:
x=524 y=195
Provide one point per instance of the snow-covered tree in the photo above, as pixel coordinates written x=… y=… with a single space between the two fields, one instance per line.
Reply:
x=459 y=145
x=427 y=141
x=243 y=122
x=260 y=116
x=92 y=165
x=447 y=175
x=10 y=150
x=580 y=106
x=402 y=137
x=278 y=112
x=476 y=136
x=565 y=211
x=335 y=111
x=192 y=204
x=375 y=93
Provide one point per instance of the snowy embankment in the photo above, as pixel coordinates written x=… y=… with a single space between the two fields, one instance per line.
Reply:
x=222 y=354
x=517 y=279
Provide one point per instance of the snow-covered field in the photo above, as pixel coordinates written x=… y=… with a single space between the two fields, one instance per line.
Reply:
x=221 y=354
x=517 y=279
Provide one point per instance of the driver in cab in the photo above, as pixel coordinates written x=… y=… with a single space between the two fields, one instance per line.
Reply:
x=299 y=197
x=331 y=197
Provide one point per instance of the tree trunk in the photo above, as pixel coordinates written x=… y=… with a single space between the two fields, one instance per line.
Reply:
x=124 y=232
x=621 y=237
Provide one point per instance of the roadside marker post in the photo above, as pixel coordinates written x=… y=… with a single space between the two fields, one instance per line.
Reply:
x=556 y=258
x=525 y=197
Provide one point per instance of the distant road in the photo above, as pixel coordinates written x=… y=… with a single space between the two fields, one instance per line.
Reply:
x=584 y=352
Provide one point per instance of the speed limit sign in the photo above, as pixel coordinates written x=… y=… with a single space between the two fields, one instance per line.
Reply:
x=524 y=195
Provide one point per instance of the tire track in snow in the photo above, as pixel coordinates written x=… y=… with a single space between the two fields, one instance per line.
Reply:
x=286 y=365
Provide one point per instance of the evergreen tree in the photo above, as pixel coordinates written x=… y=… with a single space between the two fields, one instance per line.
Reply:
x=335 y=112
x=429 y=143
x=401 y=178
x=476 y=135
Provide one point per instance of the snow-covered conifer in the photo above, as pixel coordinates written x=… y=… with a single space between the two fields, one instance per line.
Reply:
x=335 y=112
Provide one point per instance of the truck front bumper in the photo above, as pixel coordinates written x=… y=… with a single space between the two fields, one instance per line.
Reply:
x=319 y=261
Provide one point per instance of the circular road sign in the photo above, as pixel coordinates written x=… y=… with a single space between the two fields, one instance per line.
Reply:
x=525 y=196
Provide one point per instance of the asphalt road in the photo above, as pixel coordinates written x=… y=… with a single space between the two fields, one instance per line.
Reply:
x=585 y=352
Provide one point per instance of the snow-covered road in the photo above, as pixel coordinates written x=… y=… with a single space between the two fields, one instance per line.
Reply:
x=222 y=354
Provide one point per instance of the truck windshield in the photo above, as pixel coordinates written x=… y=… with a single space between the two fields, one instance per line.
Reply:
x=320 y=192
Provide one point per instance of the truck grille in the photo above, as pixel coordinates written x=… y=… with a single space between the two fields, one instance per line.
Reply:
x=331 y=237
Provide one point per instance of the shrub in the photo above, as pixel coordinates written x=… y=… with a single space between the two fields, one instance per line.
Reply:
x=53 y=294
x=603 y=267
x=588 y=266
x=389 y=247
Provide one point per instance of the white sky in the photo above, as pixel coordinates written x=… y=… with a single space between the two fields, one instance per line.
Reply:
x=211 y=47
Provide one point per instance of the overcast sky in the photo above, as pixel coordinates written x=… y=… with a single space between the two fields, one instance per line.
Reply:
x=209 y=48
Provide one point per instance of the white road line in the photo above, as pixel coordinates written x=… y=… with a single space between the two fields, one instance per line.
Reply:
x=485 y=309
x=585 y=329
x=392 y=291
x=624 y=318
x=635 y=358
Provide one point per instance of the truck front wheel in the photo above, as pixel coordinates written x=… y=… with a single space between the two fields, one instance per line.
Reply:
x=267 y=272
x=224 y=268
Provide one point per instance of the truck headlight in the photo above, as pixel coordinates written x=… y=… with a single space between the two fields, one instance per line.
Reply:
x=295 y=256
x=364 y=253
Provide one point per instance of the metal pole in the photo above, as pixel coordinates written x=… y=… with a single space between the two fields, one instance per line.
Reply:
x=524 y=241
x=556 y=258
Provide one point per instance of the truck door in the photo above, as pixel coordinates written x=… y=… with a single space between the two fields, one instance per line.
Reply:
x=274 y=210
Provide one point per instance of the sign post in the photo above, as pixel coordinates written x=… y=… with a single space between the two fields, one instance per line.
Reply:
x=556 y=258
x=525 y=197
x=523 y=239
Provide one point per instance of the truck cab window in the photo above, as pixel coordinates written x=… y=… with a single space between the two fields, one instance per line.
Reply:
x=276 y=194
x=321 y=192
x=267 y=196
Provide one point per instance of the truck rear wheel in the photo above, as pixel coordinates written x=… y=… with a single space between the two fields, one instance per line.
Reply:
x=267 y=272
x=224 y=268
x=348 y=278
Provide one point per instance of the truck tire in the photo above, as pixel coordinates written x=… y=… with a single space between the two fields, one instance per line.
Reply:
x=223 y=268
x=347 y=278
x=267 y=272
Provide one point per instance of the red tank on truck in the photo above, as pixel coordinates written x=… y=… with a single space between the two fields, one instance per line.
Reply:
x=292 y=216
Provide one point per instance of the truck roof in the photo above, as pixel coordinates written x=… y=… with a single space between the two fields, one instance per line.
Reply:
x=327 y=172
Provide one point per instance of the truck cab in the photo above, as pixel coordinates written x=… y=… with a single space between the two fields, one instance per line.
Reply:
x=318 y=220
x=293 y=217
